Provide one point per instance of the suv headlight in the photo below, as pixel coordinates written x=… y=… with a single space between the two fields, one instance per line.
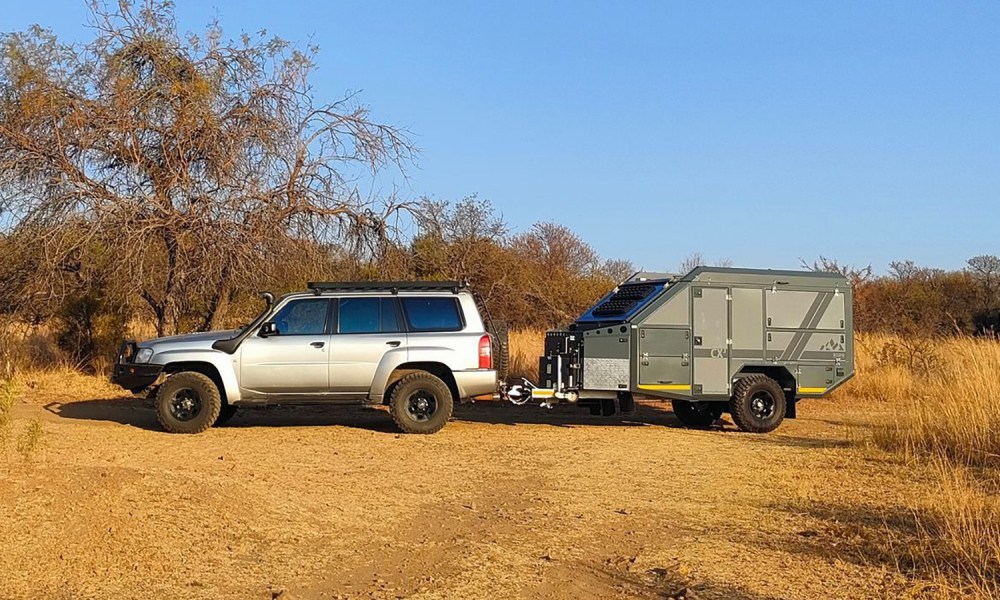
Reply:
x=143 y=355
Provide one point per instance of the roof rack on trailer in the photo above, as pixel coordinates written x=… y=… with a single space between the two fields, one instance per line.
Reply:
x=386 y=286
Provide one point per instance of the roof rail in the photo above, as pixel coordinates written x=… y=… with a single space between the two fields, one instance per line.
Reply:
x=386 y=286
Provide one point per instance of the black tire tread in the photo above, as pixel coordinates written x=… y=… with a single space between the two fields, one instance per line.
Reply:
x=401 y=389
x=213 y=401
x=686 y=414
x=739 y=408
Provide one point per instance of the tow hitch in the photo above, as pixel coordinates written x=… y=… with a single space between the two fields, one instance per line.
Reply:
x=524 y=392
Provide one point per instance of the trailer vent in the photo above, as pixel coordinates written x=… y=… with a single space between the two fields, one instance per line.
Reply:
x=624 y=300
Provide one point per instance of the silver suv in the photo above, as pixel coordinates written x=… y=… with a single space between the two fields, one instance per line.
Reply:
x=415 y=346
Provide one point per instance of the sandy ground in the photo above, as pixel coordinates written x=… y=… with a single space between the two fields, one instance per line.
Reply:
x=505 y=502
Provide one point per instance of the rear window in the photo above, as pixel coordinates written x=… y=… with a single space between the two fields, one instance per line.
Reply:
x=432 y=314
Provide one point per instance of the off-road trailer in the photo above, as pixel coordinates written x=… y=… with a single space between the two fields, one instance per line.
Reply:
x=744 y=341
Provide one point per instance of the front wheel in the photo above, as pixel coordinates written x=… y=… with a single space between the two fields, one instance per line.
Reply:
x=420 y=403
x=697 y=414
x=758 y=404
x=188 y=402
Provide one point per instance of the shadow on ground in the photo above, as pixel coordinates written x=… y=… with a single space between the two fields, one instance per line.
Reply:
x=140 y=413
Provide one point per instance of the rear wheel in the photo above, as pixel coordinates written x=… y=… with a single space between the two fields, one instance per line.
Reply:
x=758 y=404
x=420 y=403
x=697 y=414
x=188 y=402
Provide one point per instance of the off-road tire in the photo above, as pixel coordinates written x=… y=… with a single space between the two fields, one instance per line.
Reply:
x=208 y=397
x=608 y=407
x=626 y=403
x=227 y=412
x=741 y=405
x=696 y=414
x=405 y=390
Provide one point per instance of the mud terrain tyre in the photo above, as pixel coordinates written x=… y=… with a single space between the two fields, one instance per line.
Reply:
x=227 y=412
x=697 y=414
x=188 y=402
x=758 y=404
x=420 y=403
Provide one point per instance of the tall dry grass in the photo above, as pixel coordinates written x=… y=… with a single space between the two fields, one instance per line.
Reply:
x=939 y=414
x=526 y=345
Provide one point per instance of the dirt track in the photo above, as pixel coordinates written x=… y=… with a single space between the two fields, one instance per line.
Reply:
x=505 y=502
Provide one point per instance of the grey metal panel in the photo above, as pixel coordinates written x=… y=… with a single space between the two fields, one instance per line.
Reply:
x=598 y=343
x=664 y=342
x=789 y=309
x=605 y=373
x=661 y=370
x=673 y=311
x=710 y=320
x=833 y=317
x=748 y=320
x=712 y=374
x=778 y=343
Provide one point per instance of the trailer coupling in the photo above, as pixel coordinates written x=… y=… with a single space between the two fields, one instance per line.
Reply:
x=524 y=392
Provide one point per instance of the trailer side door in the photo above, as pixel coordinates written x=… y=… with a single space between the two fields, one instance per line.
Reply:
x=710 y=321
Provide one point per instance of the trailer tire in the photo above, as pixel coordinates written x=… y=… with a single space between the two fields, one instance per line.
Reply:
x=758 y=404
x=421 y=403
x=608 y=407
x=696 y=414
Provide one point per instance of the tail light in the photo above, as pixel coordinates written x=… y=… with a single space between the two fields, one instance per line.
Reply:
x=485 y=352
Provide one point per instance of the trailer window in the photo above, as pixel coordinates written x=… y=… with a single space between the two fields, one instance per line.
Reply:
x=432 y=314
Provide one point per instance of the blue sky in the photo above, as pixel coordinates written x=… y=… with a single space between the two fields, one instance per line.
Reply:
x=759 y=132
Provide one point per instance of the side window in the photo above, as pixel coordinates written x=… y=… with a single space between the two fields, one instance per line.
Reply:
x=432 y=314
x=368 y=315
x=360 y=315
x=302 y=317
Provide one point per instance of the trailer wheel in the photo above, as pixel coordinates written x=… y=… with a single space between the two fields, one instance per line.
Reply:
x=758 y=404
x=697 y=414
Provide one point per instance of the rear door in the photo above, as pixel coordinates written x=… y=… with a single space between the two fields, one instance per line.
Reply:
x=367 y=328
x=710 y=328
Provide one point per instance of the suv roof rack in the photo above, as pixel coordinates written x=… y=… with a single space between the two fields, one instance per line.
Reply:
x=386 y=286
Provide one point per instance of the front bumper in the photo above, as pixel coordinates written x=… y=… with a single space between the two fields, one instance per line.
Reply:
x=477 y=382
x=134 y=377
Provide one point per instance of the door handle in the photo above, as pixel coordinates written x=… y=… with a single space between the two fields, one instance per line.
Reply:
x=394 y=343
x=318 y=344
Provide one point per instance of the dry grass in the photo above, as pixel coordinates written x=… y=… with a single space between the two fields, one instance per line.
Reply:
x=939 y=415
x=8 y=391
x=526 y=346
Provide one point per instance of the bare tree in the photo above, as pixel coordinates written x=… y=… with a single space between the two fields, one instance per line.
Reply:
x=985 y=269
x=189 y=163
x=856 y=275
x=695 y=259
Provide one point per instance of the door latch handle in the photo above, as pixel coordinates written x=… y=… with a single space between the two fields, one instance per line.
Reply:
x=318 y=344
x=393 y=343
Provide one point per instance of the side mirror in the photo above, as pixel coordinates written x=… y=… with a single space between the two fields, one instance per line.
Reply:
x=268 y=329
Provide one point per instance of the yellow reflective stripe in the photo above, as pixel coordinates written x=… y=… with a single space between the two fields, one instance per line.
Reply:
x=673 y=387
x=540 y=393
x=812 y=390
